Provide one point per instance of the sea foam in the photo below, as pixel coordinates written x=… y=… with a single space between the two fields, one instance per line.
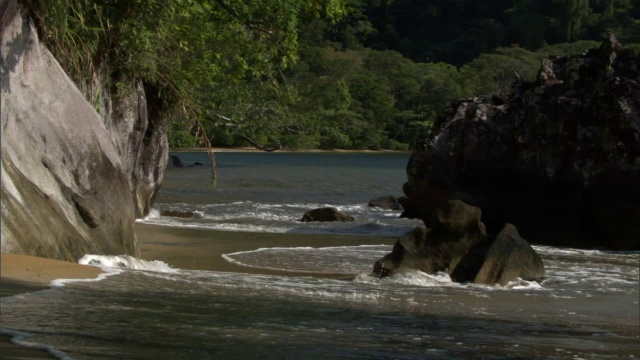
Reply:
x=18 y=338
x=126 y=262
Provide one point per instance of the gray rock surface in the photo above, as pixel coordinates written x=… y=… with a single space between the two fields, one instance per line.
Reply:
x=72 y=182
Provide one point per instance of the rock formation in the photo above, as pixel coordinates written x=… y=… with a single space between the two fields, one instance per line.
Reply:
x=558 y=157
x=73 y=180
x=459 y=244
x=388 y=202
x=326 y=214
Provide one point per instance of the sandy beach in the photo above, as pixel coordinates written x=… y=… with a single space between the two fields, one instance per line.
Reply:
x=201 y=249
x=179 y=247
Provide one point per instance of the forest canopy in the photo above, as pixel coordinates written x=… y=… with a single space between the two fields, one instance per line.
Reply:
x=349 y=74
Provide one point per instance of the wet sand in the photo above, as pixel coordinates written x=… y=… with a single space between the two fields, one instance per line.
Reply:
x=183 y=248
x=200 y=249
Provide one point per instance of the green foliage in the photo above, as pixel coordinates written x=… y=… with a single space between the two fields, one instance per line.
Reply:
x=350 y=74
x=494 y=73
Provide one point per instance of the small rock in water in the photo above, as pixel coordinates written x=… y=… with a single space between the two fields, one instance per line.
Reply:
x=385 y=202
x=180 y=214
x=326 y=214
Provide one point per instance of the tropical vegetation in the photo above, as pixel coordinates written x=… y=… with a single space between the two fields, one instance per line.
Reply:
x=353 y=74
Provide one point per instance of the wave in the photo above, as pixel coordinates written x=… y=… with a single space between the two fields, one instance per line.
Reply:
x=19 y=338
x=441 y=279
x=126 y=262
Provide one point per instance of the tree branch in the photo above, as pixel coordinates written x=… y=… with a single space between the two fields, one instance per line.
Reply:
x=260 y=147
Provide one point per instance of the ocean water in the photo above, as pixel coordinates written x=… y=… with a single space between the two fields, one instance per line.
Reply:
x=586 y=308
x=269 y=192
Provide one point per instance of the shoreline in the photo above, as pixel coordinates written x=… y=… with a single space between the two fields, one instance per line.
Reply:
x=252 y=149
x=20 y=274
x=184 y=248
x=202 y=249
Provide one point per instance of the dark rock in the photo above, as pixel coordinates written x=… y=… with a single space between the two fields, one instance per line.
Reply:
x=499 y=260
x=457 y=229
x=385 y=202
x=180 y=214
x=458 y=243
x=410 y=210
x=326 y=214
x=176 y=162
x=558 y=157
x=197 y=163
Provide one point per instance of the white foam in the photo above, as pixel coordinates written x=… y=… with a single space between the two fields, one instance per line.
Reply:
x=126 y=262
x=18 y=338
x=153 y=214
x=107 y=272
x=410 y=277
x=340 y=259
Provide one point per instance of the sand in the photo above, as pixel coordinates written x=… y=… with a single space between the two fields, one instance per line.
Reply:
x=183 y=248
x=200 y=249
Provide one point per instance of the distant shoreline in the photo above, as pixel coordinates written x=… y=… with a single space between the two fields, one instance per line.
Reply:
x=252 y=149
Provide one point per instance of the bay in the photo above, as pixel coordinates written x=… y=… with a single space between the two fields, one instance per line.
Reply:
x=277 y=298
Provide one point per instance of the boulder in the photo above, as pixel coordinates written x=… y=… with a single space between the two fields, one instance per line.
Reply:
x=458 y=243
x=176 y=162
x=79 y=161
x=326 y=214
x=180 y=214
x=65 y=192
x=558 y=157
x=131 y=115
x=385 y=202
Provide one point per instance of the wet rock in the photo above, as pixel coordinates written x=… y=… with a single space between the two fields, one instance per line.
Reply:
x=458 y=243
x=180 y=214
x=176 y=162
x=325 y=215
x=556 y=157
x=388 y=202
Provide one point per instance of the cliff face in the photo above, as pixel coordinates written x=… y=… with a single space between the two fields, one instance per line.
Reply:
x=139 y=136
x=73 y=181
x=559 y=157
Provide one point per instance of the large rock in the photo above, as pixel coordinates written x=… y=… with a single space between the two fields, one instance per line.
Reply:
x=459 y=244
x=71 y=185
x=326 y=214
x=558 y=157
x=131 y=116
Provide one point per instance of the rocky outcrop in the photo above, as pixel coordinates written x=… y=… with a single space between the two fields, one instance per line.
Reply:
x=72 y=182
x=388 y=202
x=325 y=215
x=458 y=243
x=176 y=162
x=141 y=141
x=558 y=157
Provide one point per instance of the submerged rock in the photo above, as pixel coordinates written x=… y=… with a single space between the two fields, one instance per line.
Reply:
x=180 y=214
x=326 y=214
x=458 y=243
x=558 y=157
